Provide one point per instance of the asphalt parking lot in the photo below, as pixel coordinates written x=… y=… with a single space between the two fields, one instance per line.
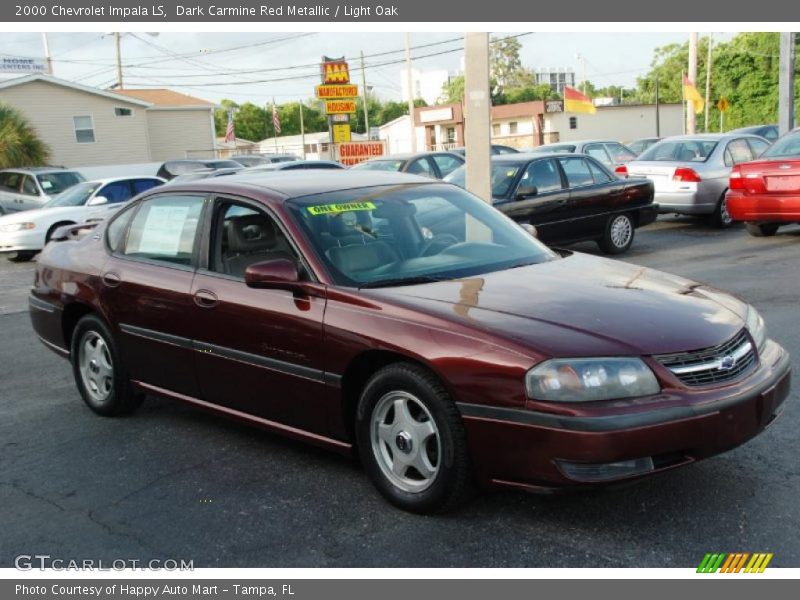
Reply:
x=174 y=482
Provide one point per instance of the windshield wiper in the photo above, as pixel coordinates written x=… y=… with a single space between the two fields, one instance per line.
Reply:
x=400 y=281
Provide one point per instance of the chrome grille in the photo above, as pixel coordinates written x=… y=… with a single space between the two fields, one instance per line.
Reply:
x=712 y=365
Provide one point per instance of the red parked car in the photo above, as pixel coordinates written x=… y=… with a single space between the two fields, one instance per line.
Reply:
x=765 y=193
x=316 y=306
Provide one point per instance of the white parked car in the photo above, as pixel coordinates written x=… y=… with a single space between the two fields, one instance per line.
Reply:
x=29 y=188
x=27 y=232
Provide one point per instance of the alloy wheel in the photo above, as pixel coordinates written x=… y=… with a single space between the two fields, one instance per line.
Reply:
x=96 y=367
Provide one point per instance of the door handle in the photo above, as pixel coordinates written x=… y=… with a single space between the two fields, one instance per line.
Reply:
x=111 y=279
x=205 y=299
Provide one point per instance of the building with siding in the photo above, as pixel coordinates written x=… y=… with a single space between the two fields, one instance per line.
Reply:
x=85 y=126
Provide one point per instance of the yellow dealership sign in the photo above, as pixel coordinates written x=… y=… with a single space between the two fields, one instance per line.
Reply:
x=340 y=107
x=341 y=133
x=329 y=92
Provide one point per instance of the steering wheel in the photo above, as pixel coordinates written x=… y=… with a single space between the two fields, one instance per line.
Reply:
x=438 y=242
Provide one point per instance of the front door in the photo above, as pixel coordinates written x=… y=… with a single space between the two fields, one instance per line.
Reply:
x=259 y=351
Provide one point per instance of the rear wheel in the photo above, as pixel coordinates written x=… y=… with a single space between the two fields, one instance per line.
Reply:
x=23 y=256
x=99 y=372
x=618 y=235
x=411 y=440
x=762 y=229
x=721 y=218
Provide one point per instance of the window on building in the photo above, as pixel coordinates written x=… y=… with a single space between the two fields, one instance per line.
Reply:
x=123 y=112
x=451 y=135
x=573 y=122
x=512 y=127
x=496 y=129
x=84 y=129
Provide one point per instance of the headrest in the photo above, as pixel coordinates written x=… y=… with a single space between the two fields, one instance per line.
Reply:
x=344 y=224
x=250 y=233
x=356 y=258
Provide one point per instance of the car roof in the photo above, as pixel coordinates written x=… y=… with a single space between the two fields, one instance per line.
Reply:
x=105 y=180
x=283 y=185
x=709 y=137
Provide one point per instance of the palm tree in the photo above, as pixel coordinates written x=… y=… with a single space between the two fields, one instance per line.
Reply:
x=20 y=146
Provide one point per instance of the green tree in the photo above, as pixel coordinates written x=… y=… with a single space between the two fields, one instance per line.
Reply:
x=20 y=146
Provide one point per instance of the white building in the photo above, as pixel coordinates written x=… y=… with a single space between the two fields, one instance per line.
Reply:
x=624 y=122
x=317 y=145
x=397 y=135
x=426 y=84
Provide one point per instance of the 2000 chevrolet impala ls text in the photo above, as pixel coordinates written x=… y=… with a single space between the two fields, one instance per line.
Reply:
x=315 y=305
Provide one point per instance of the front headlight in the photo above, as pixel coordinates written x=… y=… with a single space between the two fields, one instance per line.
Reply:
x=757 y=328
x=585 y=379
x=11 y=227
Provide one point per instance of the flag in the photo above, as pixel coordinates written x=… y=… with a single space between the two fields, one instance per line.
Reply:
x=230 y=134
x=276 y=120
x=576 y=102
x=691 y=94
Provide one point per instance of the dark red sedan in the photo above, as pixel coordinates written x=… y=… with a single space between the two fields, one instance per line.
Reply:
x=316 y=306
x=765 y=193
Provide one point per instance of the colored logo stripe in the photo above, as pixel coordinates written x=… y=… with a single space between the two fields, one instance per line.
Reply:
x=734 y=563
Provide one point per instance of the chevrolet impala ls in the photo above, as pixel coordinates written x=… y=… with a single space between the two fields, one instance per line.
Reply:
x=316 y=306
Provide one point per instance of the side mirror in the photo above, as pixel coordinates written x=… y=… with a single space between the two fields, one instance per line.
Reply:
x=97 y=201
x=526 y=191
x=276 y=274
x=530 y=229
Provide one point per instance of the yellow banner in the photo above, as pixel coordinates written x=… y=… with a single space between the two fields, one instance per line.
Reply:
x=330 y=209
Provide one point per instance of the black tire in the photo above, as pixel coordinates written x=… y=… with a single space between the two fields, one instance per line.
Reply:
x=762 y=229
x=452 y=484
x=721 y=218
x=23 y=256
x=120 y=398
x=53 y=229
x=618 y=235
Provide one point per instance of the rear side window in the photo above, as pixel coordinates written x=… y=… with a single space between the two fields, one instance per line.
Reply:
x=599 y=174
x=620 y=153
x=421 y=166
x=446 y=164
x=142 y=185
x=164 y=229
x=577 y=171
x=598 y=151
x=758 y=146
x=116 y=192
x=737 y=152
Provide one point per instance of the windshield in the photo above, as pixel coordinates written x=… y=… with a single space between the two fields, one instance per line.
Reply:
x=396 y=235
x=503 y=176
x=77 y=195
x=55 y=183
x=680 y=151
x=379 y=165
x=788 y=145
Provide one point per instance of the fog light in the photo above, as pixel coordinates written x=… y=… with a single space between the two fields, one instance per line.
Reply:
x=606 y=471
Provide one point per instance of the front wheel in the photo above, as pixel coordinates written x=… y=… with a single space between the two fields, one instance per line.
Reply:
x=762 y=229
x=99 y=371
x=411 y=440
x=618 y=235
x=23 y=256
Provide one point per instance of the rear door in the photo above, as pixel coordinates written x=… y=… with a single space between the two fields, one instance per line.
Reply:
x=30 y=196
x=146 y=288
x=593 y=195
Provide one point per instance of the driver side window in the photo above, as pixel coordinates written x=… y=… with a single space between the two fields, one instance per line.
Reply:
x=542 y=174
x=244 y=236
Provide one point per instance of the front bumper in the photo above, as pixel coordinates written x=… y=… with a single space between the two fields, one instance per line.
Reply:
x=526 y=448
x=29 y=239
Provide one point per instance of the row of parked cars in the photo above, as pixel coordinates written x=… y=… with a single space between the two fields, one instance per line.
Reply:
x=599 y=190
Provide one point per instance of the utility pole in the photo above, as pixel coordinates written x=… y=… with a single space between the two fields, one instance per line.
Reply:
x=786 y=83
x=478 y=115
x=119 y=60
x=364 y=94
x=410 y=84
x=582 y=58
x=658 y=115
x=302 y=131
x=47 y=57
x=691 y=116
x=706 y=128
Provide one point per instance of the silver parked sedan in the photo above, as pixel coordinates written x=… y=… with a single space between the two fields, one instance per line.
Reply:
x=690 y=172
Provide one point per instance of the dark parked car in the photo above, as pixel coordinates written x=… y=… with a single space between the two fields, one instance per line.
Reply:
x=436 y=165
x=768 y=132
x=296 y=165
x=257 y=160
x=568 y=198
x=609 y=152
x=316 y=307
x=172 y=168
x=204 y=174
x=496 y=149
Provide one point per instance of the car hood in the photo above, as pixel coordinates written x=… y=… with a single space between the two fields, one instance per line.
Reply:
x=582 y=305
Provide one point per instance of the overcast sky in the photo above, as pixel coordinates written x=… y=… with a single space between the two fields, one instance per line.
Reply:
x=282 y=65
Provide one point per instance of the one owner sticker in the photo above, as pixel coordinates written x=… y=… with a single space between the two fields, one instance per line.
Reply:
x=330 y=209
